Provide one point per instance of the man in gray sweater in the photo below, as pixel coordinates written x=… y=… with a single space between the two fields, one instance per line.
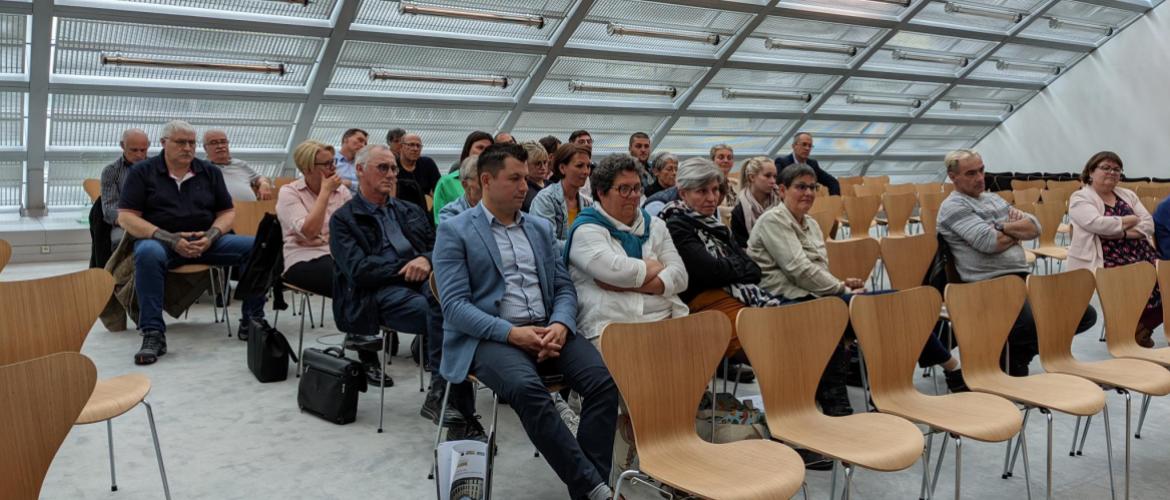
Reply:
x=984 y=235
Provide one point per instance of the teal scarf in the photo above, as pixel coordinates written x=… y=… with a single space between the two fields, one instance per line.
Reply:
x=631 y=242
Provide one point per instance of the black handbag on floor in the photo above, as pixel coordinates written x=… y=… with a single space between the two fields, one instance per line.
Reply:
x=330 y=385
x=268 y=354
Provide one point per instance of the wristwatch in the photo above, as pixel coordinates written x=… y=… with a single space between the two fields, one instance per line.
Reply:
x=998 y=226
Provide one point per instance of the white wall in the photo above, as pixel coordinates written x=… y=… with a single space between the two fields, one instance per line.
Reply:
x=1117 y=98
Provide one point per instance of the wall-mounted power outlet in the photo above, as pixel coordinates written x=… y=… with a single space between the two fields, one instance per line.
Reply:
x=44 y=248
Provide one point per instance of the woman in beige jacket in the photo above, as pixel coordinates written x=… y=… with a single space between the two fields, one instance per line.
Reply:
x=1110 y=228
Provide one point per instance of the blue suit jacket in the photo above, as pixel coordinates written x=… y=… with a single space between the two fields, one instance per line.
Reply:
x=470 y=279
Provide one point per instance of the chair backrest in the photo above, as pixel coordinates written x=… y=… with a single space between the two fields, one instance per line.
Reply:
x=1057 y=301
x=5 y=253
x=826 y=216
x=1150 y=203
x=789 y=347
x=928 y=187
x=93 y=188
x=279 y=182
x=822 y=191
x=901 y=188
x=1072 y=185
x=847 y=185
x=1018 y=184
x=1007 y=196
x=908 y=258
x=1030 y=195
x=249 y=214
x=1133 y=185
x=928 y=205
x=892 y=329
x=50 y=315
x=662 y=369
x=899 y=208
x=1158 y=191
x=1124 y=291
x=869 y=190
x=42 y=399
x=948 y=188
x=1057 y=196
x=434 y=287
x=882 y=180
x=982 y=314
x=1164 y=284
x=1050 y=216
x=827 y=203
x=861 y=211
x=854 y=258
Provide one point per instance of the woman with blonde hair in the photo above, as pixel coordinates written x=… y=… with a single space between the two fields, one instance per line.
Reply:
x=757 y=194
x=537 y=171
x=304 y=207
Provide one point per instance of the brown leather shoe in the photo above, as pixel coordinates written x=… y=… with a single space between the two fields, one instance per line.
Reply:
x=1143 y=337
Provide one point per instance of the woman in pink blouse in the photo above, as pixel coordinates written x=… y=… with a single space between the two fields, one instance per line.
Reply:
x=304 y=207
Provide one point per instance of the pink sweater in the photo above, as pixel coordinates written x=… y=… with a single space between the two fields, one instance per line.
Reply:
x=292 y=206
x=1086 y=212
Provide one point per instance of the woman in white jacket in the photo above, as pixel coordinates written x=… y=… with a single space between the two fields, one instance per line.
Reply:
x=622 y=261
x=1110 y=227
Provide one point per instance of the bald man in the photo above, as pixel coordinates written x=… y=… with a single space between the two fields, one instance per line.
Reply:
x=135 y=145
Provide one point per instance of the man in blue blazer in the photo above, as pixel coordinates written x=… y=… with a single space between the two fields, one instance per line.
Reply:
x=802 y=146
x=509 y=310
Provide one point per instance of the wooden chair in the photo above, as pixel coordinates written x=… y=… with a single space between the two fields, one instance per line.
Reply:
x=37 y=326
x=5 y=253
x=249 y=214
x=1158 y=191
x=1051 y=298
x=852 y=258
x=1018 y=184
x=848 y=184
x=1050 y=215
x=1133 y=185
x=907 y=259
x=928 y=187
x=1007 y=196
x=1031 y=195
x=982 y=316
x=928 y=205
x=826 y=213
x=789 y=347
x=901 y=189
x=876 y=180
x=279 y=182
x=1150 y=203
x=948 y=188
x=93 y=188
x=869 y=190
x=899 y=208
x=861 y=210
x=685 y=351
x=1057 y=196
x=1073 y=184
x=892 y=329
x=42 y=398
x=219 y=286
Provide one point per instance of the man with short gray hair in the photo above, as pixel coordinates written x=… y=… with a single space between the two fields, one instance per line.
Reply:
x=243 y=183
x=135 y=145
x=802 y=146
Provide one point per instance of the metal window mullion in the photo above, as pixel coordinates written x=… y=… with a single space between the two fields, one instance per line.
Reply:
x=38 y=107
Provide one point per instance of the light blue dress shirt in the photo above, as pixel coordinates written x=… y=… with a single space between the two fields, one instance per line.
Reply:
x=347 y=170
x=522 y=303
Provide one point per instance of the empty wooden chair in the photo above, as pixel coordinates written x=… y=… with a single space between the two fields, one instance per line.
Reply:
x=1018 y=184
x=876 y=180
x=42 y=398
x=928 y=187
x=1158 y=191
x=907 y=259
x=5 y=253
x=685 y=352
x=848 y=184
x=789 y=348
x=35 y=325
x=928 y=205
x=1052 y=297
x=93 y=188
x=869 y=190
x=1150 y=203
x=1007 y=196
x=892 y=329
x=1022 y=196
x=279 y=182
x=861 y=210
x=1050 y=215
x=852 y=258
x=901 y=189
x=1133 y=185
x=1057 y=196
x=249 y=214
x=982 y=315
x=826 y=211
x=899 y=208
x=1072 y=184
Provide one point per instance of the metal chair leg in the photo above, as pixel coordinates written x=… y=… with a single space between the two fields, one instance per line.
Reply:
x=735 y=386
x=1108 y=449
x=958 y=466
x=1072 y=450
x=833 y=481
x=322 y=311
x=1142 y=418
x=301 y=337
x=865 y=381
x=422 y=363
x=942 y=454
x=162 y=471
x=1020 y=441
x=110 y=437
x=712 y=409
x=926 y=451
x=617 y=487
x=308 y=308
x=1085 y=434
x=223 y=284
x=1023 y=439
x=848 y=482
x=1048 y=475
x=1128 y=437
x=491 y=448
x=381 y=368
x=439 y=432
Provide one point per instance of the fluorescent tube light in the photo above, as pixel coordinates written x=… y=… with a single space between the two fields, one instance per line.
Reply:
x=576 y=86
x=989 y=106
x=835 y=48
x=266 y=67
x=764 y=94
x=903 y=3
x=1003 y=65
x=474 y=15
x=615 y=29
x=979 y=10
x=902 y=55
x=1056 y=23
x=490 y=81
x=883 y=101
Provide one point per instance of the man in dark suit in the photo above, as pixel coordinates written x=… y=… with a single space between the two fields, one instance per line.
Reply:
x=802 y=146
x=510 y=310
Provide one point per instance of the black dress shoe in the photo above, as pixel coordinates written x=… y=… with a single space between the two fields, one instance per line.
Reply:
x=376 y=377
x=430 y=408
x=955 y=381
x=363 y=342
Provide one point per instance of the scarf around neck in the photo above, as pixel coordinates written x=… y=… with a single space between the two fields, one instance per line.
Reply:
x=752 y=208
x=631 y=240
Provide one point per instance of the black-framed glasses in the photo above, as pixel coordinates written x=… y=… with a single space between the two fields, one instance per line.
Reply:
x=217 y=142
x=1110 y=170
x=326 y=164
x=628 y=190
x=800 y=186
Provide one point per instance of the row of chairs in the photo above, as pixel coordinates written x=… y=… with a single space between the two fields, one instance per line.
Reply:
x=790 y=345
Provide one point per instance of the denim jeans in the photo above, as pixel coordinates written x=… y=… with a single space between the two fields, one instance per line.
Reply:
x=152 y=260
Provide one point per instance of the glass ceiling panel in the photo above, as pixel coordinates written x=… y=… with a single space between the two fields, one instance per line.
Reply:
x=936 y=14
x=927 y=45
x=853 y=6
x=381 y=13
x=714 y=95
x=836 y=167
x=316 y=9
x=1092 y=15
x=11 y=183
x=12 y=115
x=609 y=132
x=441 y=129
x=921 y=168
x=969 y=100
x=1026 y=62
x=643 y=76
x=357 y=58
x=722 y=124
x=98 y=121
x=872 y=95
x=808 y=31
x=80 y=45
x=658 y=17
x=933 y=145
x=847 y=137
x=12 y=43
x=699 y=143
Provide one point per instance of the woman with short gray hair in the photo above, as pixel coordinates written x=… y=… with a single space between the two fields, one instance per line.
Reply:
x=664 y=167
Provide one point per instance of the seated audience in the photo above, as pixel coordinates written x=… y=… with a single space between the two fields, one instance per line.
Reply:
x=471 y=192
x=622 y=260
x=243 y=183
x=1111 y=227
x=1162 y=228
x=562 y=201
x=537 y=171
x=394 y=140
x=449 y=187
x=984 y=233
x=382 y=250
x=304 y=208
x=639 y=148
x=757 y=194
x=504 y=137
x=352 y=141
x=802 y=146
x=724 y=158
x=664 y=167
x=550 y=143
x=135 y=145
x=179 y=209
x=417 y=174
x=510 y=325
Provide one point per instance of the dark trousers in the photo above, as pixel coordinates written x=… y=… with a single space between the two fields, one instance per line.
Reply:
x=1022 y=342
x=582 y=462
x=413 y=309
x=313 y=275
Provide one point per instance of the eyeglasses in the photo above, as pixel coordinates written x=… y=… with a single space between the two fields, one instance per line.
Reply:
x=1110 y=170
x=629 y=190
x=326 y=164
x=386 y=168
x=183 y=143
x=412 y=145
x=800 y=186
x=217 y=142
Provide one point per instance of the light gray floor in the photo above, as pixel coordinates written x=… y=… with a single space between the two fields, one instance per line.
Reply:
x=225 y=436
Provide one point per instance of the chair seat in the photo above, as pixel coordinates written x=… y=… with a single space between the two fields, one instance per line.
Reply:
x=1132 y=374
x=982 y=417
x=295 y=288
x=113 y=397
x=1159 y=356
x=190 y=269
x=750 y=469
x=1064 y=228
x=1029 y=257
x=1058 y=253
x=875 y=441
x=1060 y=392
x=558 y=387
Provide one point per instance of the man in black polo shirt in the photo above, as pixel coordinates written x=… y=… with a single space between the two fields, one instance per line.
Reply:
x=179 y=209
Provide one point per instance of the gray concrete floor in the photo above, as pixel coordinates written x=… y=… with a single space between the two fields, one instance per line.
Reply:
x=225 y=436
